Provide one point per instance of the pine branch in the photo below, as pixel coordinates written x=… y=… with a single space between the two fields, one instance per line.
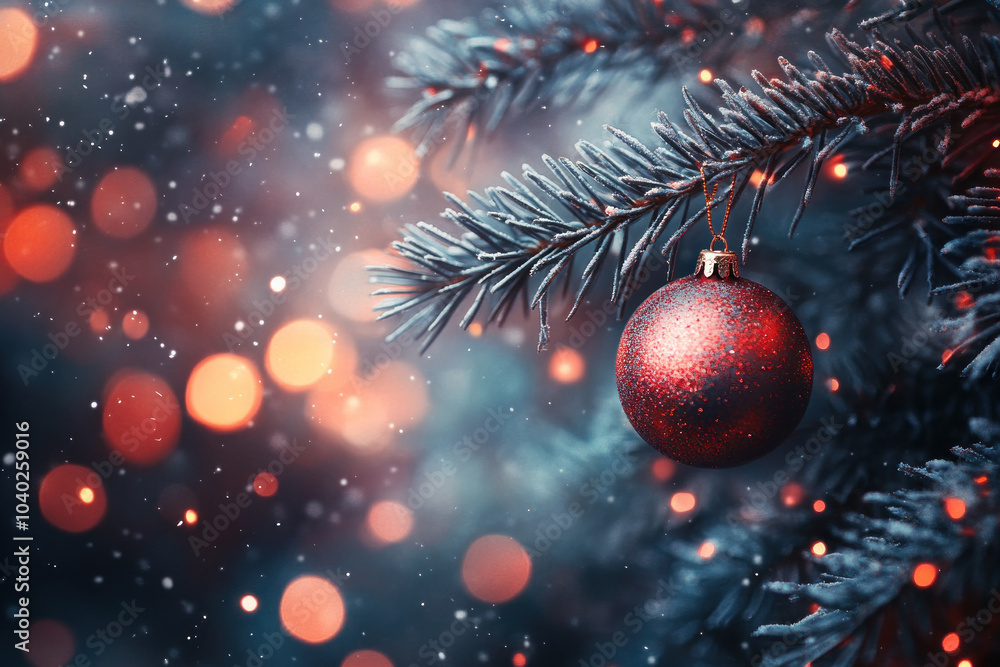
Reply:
x=473 y=74
x=907 y=10
x=862 y=580
x=913 y=221
x=524 y=231
x=977 y=293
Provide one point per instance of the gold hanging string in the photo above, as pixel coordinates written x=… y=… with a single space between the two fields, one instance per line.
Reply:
x=721 y=236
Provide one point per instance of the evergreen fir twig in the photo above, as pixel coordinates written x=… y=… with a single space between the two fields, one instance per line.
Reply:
x=473 y=74
x=904 y=11
x=518 y=232
x=907 y=10
x=976 y=327
x=881 y=549
x=916 y=215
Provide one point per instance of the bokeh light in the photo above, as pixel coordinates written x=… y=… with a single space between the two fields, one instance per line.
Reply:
x=312 y=609
x=663 y=469
x=792 y=494
x=190 y=517
x=87 y=495
x=495 y=568
x=135 y=324
x=519 y=660
x=823 y=341
x=955 y=507
x=59 y=498
x=839 y=170
x=99 y=322
x=384 y=168
x=706 y=550
x=277 y=284
x=682 y=502
x=951 y=642
x=141 y=418
x=567 y=365
x=213 y=264
x=818 y=548
x=389 y=522
x=924 y=574
x=52 y=643
x=366 y=658
x=819 y=506
x=40 y=169
x=965 y=663
x=18 y=41
x=369 y=412
x=299 y=354
x=359 y=420
x=248 y=603
x=224 y=392
x=210 y=7
x=40 y=243
x=705 y=76
x=265 y=484
x=124 y=202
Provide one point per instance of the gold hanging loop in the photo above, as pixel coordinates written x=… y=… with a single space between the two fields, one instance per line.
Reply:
x=718 y=262
x=709 y=201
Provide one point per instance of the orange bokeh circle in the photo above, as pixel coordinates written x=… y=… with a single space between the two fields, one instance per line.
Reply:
x=369 y=413
x=210 y=7
x=382 y=169
x=366 y=658
x=135 y=324
x=18 y=41
x=124 y=202
x=224 y=392
x=389 y=521
x=40 y=243
x=299 y=354
x=59 y=498
x=142 y=417
x=496 y=568
x=213 y=264
x=312 y=609
x=265 y=484
x=40 y=168
x=567 y=365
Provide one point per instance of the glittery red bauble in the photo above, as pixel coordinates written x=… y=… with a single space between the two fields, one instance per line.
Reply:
x=714 y=372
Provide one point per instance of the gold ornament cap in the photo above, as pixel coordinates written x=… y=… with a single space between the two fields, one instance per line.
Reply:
x=720 y=264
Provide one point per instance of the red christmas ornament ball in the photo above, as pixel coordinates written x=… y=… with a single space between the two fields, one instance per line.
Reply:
x=714 y=372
